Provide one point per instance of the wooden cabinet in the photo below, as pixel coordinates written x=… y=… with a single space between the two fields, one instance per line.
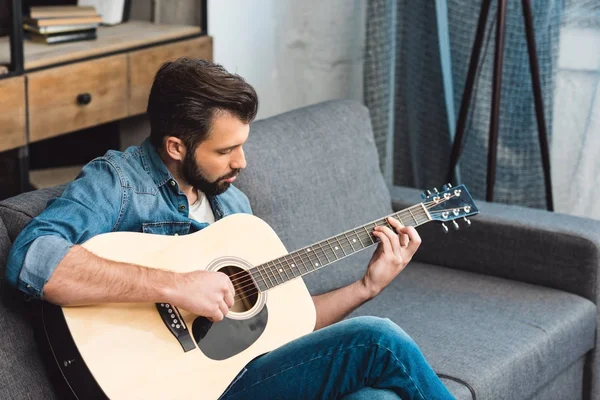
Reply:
x=12 y=113
x=143 y=65
x=76 y=96
x=77 y=85
x=67 y=87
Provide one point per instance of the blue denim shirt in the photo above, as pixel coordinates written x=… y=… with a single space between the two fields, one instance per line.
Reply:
x=121 y=191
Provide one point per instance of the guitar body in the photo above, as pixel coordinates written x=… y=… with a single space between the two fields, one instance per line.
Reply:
x=129 y=351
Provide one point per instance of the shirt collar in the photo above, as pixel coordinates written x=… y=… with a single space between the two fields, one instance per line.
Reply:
x=157 y=169
x=153 y=164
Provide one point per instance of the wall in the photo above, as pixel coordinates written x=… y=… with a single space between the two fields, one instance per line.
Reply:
x=293 y=53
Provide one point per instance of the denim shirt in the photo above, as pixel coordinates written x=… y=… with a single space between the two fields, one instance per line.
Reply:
x=121 y=191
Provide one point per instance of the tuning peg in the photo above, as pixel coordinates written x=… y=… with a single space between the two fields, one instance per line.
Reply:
x=446 y=186
x=435 y=190
x=426 y=194
x=455 y=225
x=467 y=221
x=444 y=228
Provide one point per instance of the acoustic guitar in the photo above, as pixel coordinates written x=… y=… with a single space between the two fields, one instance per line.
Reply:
x=157 y=351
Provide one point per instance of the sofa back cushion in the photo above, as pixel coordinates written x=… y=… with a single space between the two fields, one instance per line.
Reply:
x=313 y=173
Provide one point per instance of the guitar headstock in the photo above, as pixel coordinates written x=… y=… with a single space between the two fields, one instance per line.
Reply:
x=449 y=205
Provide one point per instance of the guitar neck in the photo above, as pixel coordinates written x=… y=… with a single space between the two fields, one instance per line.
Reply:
x=314 y=257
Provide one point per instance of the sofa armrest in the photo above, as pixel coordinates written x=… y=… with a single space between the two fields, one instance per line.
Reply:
x=529 y=245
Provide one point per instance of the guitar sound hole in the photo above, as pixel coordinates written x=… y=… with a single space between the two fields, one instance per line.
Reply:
x=246 y=292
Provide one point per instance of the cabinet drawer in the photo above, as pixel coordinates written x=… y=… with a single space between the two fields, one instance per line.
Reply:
x=12 y=113
x=76 y=96
x=143 y=65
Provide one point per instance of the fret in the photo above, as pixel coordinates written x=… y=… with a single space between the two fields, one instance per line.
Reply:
x=284 y=269
x=411 y=214
x=285 y=258
x=295 y=264
x=427 y=216
x=358 y=239
x=348 y=239
x=332 y=249
x=366 y=242
x=267 y=273
x=306 y=256
x=260 y=274
x=400 y=219
x=337 y=248
x=279 y=271
x=253 y=279
x=274 y=272
x=369 y=235
x=325 y=253
x=302 y=260
x=316 y=263
x=341 y=247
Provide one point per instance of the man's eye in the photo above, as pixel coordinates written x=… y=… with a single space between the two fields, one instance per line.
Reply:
x=225 y=152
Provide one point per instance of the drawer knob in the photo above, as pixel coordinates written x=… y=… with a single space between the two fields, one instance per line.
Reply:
x=84 y=99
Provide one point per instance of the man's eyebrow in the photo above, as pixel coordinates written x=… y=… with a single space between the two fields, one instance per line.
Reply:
x=229 y=148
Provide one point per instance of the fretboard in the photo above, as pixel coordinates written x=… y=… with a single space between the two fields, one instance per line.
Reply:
x=328 y=251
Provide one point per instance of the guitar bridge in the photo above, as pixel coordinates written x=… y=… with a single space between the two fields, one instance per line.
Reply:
x=172 y=319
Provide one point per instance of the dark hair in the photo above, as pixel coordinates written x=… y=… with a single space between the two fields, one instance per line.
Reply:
x=187 y=93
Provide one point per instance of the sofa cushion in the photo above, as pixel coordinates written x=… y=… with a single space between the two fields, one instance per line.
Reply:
x=313 y=173
x=504 y=339
x=17 y=211
x=22 y=375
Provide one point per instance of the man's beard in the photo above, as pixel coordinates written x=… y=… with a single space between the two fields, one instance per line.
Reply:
x=194 y=176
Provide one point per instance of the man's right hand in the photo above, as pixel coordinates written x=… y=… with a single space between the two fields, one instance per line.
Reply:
x=209 y=294
x=83 y=278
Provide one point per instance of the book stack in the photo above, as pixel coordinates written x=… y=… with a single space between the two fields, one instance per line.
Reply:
x=61 y=24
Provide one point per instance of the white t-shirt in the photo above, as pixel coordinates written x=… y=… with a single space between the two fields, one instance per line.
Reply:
x=200 y=211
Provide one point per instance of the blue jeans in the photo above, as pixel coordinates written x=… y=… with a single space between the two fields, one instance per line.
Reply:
x=364 y=357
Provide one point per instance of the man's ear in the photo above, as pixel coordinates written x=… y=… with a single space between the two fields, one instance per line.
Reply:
x=175 y=148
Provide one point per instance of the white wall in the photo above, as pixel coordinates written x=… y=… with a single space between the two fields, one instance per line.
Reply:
x=294 y=53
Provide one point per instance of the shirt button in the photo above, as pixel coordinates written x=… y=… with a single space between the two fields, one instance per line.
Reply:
x=28 y=286
x=173 y=183
x=182 y=207
x=177 y=234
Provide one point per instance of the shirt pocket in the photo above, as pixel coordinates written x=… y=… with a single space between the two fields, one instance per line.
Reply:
x=166 y=228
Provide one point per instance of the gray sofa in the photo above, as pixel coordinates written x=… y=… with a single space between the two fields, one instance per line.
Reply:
x=505 y=309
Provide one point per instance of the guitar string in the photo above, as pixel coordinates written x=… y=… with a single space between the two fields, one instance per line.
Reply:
x=245 y=293
x=250 y=277
x=318 y=246
x=275 y=270
x=324 y=246
x=420 y=213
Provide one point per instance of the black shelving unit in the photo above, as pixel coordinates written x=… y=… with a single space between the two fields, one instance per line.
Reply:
x=14 y=164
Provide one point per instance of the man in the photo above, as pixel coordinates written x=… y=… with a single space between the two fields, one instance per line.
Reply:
x=179 y=181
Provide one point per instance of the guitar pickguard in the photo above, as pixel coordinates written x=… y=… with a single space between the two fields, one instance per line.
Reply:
x=224 y=339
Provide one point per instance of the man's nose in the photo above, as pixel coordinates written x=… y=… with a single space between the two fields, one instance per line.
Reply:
x=239 y=161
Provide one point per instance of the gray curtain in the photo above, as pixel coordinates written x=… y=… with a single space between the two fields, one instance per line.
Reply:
x=404 y=92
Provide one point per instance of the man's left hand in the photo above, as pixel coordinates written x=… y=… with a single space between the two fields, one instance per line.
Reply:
x=393 y=253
